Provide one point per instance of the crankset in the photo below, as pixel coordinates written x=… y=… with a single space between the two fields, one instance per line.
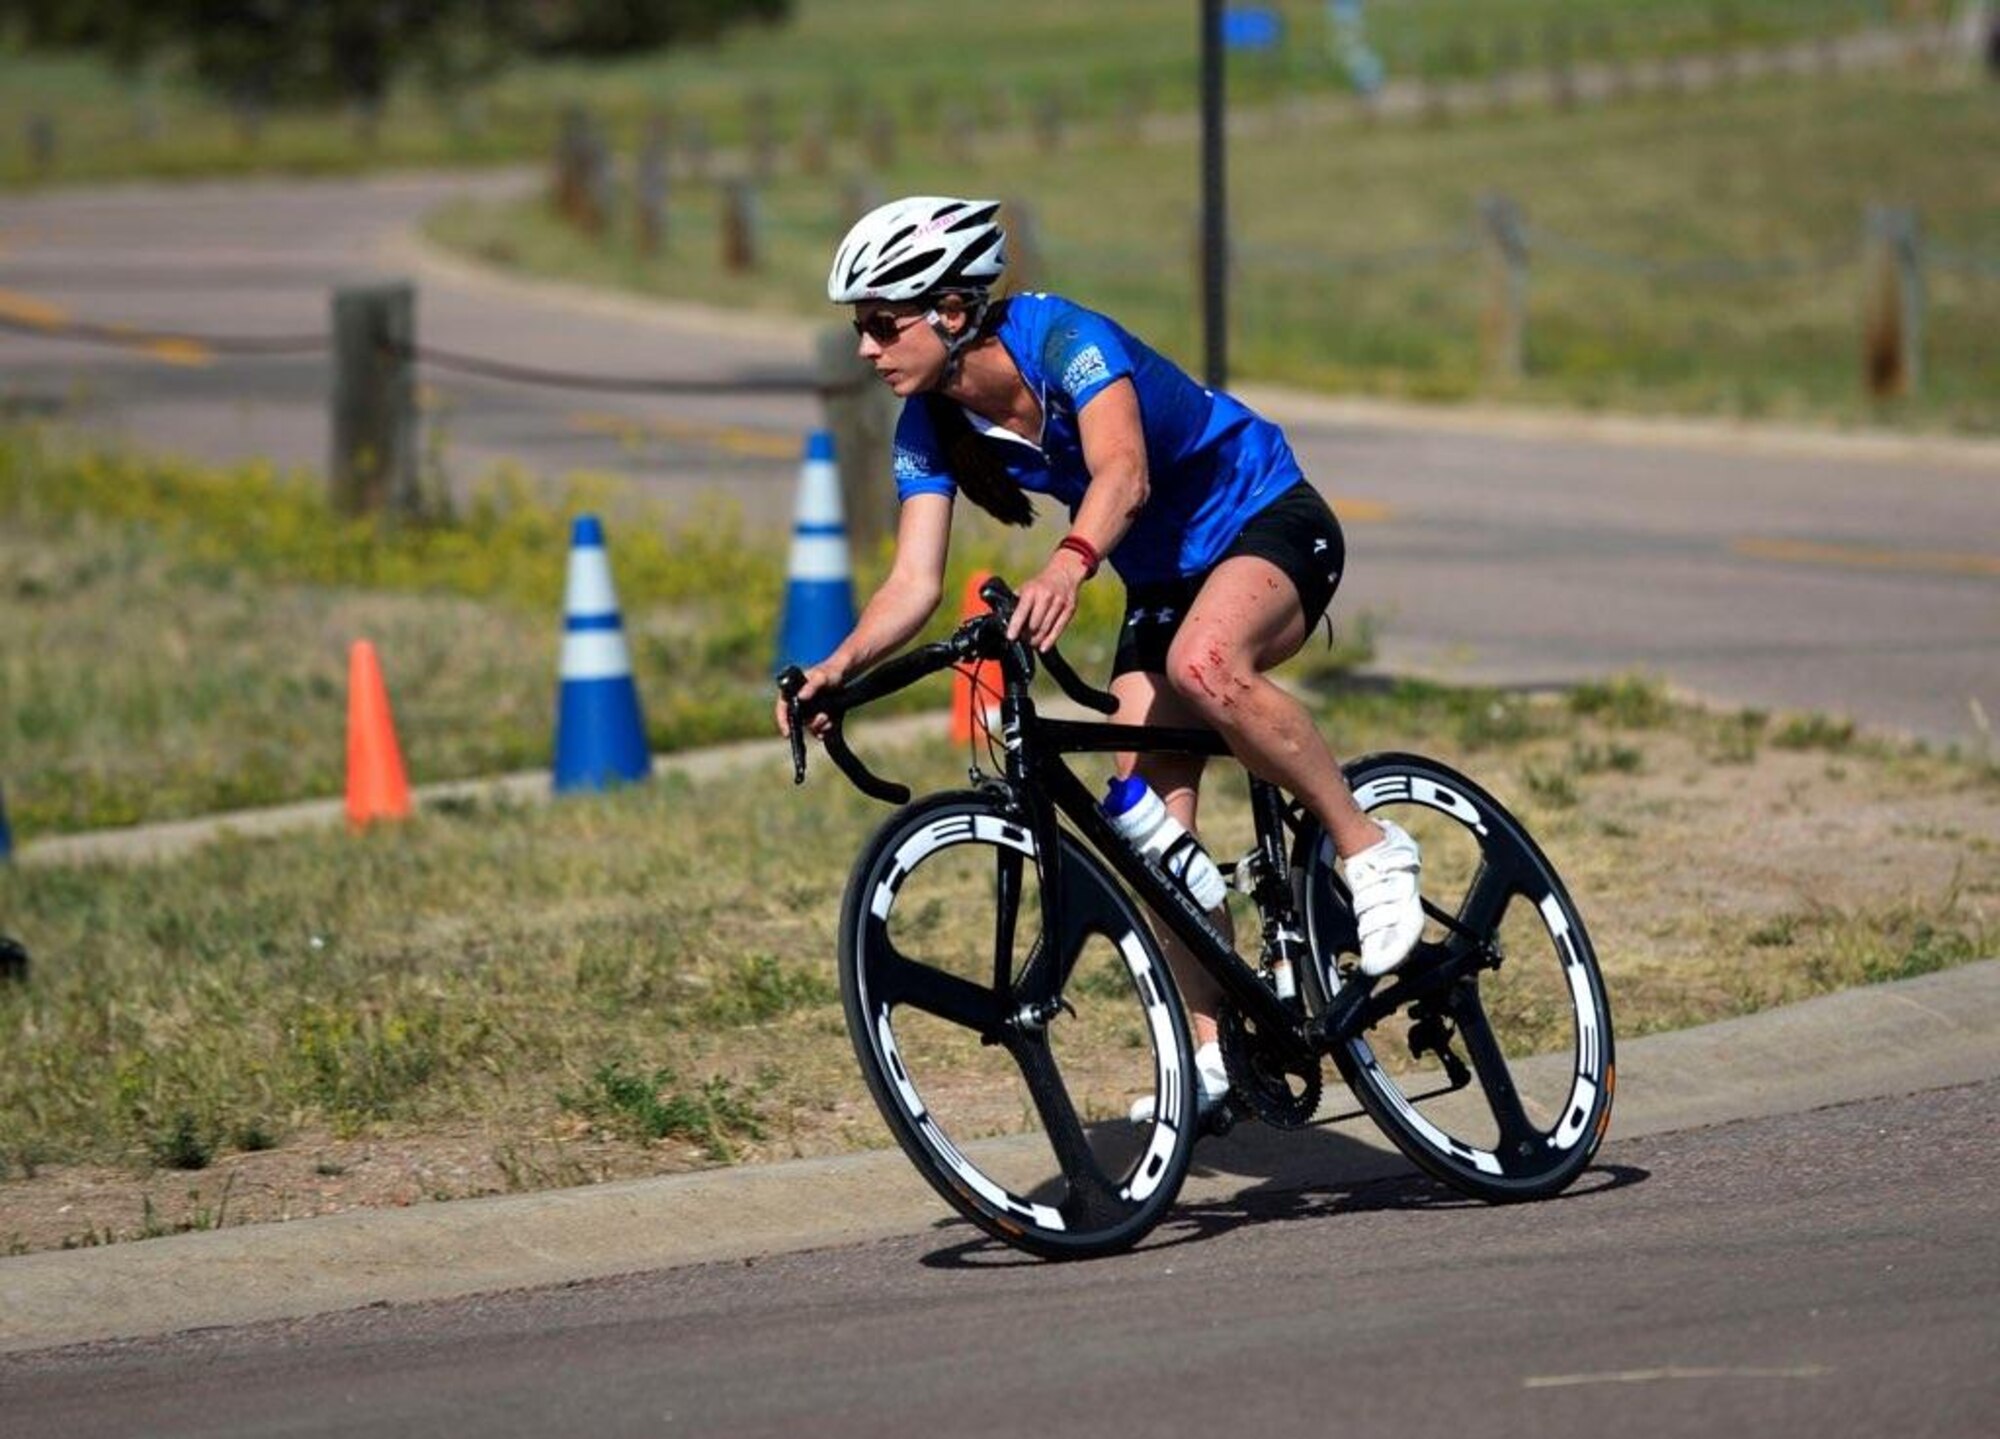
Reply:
x=1276 y=1081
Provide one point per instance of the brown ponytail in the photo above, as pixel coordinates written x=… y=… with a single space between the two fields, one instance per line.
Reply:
x=974 y=468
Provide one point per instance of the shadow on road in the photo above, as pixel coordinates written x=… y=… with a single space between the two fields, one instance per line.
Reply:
x=1260 y=1175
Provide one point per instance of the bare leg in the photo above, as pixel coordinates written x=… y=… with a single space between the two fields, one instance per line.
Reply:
x=1247 y=619
x=1176 y=778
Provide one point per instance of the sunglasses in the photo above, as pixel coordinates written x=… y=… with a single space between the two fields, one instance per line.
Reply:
x=883 y=327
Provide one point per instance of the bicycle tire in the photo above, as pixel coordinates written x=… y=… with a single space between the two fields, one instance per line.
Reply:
x=1533 y=1031
x=920 y=984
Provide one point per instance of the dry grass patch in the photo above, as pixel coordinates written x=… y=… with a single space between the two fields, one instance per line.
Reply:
x=504 y=997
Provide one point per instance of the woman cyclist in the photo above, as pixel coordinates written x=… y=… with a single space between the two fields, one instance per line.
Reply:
x=1228 y=554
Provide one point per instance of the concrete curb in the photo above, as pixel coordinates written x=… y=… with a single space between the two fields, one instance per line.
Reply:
x=1923 y=1033
x=143 y=843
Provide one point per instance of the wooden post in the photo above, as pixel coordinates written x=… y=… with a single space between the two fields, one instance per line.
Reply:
x=1503 y=328
x=958 y=134
x=41 y=145
x=1508 y=60
x=813 y=152
x=562 y=165
x=858 y=196
x=997 y=105
x=697 y=152
x=1560 y=51
x=881 y=137
x=373 y=467
x=849 y=109
x=1135 y=103
x=924 y=105
x=1893 y=325
x=1025 y=267
x=761 y=123
x=649 y=190
x=1049 y=121
x=741 y=252
x=598 y=184
x=861 y=413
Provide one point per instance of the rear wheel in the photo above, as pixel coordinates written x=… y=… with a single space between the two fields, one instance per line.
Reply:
x=1498 y=1082
x=1006 y=1054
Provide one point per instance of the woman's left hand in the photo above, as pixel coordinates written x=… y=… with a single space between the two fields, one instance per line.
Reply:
x=1047 y=603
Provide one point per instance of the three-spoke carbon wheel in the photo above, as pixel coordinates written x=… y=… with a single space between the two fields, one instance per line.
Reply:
x=1498 y=1082
x=1007 y=1053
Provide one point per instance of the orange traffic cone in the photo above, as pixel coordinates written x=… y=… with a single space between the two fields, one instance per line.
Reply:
x=376 y=785
x=982 y=679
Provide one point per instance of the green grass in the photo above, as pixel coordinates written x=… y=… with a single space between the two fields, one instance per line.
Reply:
x=174 y=637
x=1777 y=171
x=843 y=58
x=649 y=968
x=656 y=964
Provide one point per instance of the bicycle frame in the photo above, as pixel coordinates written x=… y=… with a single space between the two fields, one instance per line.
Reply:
x=1046 y=786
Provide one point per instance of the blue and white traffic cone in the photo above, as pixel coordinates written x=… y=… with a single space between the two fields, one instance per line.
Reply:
x=819 y=589
x=600 y=736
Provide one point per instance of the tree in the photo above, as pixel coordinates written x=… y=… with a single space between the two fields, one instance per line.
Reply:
x=285 y=52
x=609 y=27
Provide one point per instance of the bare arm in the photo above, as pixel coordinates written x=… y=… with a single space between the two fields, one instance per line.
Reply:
x=1114 y=450
x=900 y=608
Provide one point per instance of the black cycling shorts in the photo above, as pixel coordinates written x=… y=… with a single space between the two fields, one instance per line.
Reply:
x=1297 y=532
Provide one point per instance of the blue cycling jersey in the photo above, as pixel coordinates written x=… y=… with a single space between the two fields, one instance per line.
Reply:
x=1211 y=461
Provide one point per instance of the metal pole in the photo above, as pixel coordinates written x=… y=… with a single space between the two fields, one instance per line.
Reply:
x=1214 y=204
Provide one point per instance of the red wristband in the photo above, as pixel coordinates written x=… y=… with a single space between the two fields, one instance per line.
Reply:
x=1084 y=550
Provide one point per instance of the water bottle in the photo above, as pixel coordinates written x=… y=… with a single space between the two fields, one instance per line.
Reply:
x=1141 y=816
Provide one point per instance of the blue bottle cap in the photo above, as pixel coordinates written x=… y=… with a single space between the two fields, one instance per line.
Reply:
x=1121 y=794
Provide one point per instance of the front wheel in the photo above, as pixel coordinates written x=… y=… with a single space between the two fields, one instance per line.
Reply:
x=1498 y=1082
x=1006 y=1051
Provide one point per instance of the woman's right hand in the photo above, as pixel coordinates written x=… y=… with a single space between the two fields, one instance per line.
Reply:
x=818 y=678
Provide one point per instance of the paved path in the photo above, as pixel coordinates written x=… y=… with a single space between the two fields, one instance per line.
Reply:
x=1802 y=1270
x=1757 y=567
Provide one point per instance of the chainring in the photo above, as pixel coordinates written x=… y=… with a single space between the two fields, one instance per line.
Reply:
x=1277 y=1084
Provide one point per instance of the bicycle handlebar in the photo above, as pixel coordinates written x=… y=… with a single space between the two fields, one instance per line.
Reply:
x=980 y=638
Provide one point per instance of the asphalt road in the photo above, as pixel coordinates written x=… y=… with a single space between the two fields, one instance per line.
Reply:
x=1781 y=572
x=1829 y=1273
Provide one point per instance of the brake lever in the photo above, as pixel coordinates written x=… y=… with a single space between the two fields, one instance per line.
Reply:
x=1000 y=600
x=790 y=682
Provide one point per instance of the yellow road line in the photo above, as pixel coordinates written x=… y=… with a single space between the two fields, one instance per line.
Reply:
x=178 y=352
x=1867 y=557
x=167 y=349
x=27 y=310
x=760 y=444
x=1360 y=512
x=1675 y=1371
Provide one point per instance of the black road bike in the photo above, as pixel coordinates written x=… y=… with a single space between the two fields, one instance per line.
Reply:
x=1008 y=1001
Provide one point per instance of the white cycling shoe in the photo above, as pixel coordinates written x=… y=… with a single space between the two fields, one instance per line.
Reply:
x=1387 y=909
x=1214 y=1077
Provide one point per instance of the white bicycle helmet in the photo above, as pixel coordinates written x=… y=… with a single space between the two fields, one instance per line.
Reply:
x=917 y=246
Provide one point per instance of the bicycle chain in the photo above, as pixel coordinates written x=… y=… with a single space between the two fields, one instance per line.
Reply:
x=1281 y=1089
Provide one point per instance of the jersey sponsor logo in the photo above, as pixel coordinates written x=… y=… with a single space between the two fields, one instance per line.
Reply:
x=1086 y=367
x=910 y=464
